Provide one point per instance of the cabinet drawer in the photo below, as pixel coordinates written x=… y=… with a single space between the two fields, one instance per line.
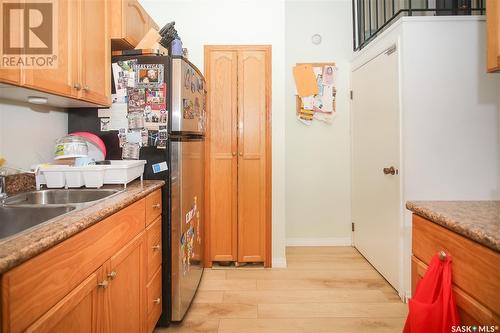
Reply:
x=471 y=311
x=475 y=268
x=153 y=206
x=154 y=301
x=154 y=247
x=32 y=288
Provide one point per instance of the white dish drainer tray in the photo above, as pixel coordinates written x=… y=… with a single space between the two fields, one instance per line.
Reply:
x=92 y=176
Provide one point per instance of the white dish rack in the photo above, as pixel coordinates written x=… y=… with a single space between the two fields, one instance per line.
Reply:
x=92 y=176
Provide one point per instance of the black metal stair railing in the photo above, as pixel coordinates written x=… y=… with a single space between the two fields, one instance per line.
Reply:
x=370 y=17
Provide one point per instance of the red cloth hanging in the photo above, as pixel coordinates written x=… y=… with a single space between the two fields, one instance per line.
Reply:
x=432 y=309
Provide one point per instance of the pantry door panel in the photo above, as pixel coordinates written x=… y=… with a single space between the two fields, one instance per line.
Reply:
x=252 y=111
x=222 y=83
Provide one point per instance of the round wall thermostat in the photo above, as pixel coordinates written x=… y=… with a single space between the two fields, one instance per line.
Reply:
x=316 y=39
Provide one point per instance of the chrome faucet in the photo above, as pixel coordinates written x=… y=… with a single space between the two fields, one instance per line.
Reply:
x=3 y=189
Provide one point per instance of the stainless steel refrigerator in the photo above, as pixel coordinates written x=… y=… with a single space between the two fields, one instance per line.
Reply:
x=183 y=197
x=187 y=182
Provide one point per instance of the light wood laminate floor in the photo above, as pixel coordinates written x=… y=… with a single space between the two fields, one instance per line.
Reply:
x=323 y=289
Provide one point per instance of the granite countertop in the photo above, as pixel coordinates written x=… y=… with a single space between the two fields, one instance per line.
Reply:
x=475 y=220
x=25 y=245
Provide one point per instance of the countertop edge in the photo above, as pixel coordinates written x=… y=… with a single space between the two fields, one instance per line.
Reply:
x=40 y=245
x=468 y=231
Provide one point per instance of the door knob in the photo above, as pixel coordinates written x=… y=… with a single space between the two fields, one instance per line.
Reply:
x=390 y=171
x=234 y=153
x=241 y=153
x=112 y=275
x=86 y=88
x=77 y=86
x=157 y=301
x=156 y=247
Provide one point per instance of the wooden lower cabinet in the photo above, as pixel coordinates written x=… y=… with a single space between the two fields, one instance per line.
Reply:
x=475 y=270
x=74 y=313
x=95 y=281
x=126 y=288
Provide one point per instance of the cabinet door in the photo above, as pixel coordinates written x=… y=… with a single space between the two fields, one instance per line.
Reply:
x=493 y=34
x=75 y=313
x=127 y=287
x=95 y=58
x=222 y=97
x=12 y=75
x=136 y=21
x=62 y=80
x=252 y=112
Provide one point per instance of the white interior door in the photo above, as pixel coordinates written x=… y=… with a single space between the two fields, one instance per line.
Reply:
x=375 y=146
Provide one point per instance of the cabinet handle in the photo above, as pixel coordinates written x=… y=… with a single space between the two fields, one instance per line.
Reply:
x=112 y=275
x=86 y=88
x=157 y=301
x=77 y=86
x=157 y=205
x=156 y=247
x=103 y=284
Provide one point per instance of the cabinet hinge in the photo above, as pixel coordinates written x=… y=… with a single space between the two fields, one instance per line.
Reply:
x=352 y=226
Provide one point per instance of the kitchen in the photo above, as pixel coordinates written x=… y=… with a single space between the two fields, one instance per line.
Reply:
x=322 y=177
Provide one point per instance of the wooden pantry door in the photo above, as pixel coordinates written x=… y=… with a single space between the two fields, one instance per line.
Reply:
x=252 y=119
x=239 y=113
x=222 y=223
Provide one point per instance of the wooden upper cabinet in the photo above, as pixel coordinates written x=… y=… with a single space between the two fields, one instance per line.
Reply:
x=493 y=34
x=129 y=22
x=63 y=79
x=95 y=55
x=11 y=75
x=83 y=55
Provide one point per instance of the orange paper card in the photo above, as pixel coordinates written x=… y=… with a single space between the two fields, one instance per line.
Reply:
x=305 y=81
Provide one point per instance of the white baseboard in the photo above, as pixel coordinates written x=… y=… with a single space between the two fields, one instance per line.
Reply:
x=279 y=262
x=335 y=241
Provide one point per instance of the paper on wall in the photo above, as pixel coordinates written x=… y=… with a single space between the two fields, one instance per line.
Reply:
x=327 y=99
x=305 y=80
x=307 y=102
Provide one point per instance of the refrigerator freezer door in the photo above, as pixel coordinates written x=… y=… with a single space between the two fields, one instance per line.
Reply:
x=188 y=99
x=186 y=222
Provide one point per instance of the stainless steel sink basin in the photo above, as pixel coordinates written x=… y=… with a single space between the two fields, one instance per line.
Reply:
x=59 y=197
x=17 y=219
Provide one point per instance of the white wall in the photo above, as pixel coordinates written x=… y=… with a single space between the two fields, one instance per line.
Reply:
x=318 y=193
x=205 y=22
x=450 y=115
x=452 y=122
x=28 y=132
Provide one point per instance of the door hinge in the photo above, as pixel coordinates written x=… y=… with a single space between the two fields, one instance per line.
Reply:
x=351 y=94
x=352 y=226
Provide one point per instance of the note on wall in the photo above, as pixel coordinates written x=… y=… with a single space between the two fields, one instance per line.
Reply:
x=305 y=80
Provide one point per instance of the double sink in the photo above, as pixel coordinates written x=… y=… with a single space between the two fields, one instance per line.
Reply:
x=25 y=210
